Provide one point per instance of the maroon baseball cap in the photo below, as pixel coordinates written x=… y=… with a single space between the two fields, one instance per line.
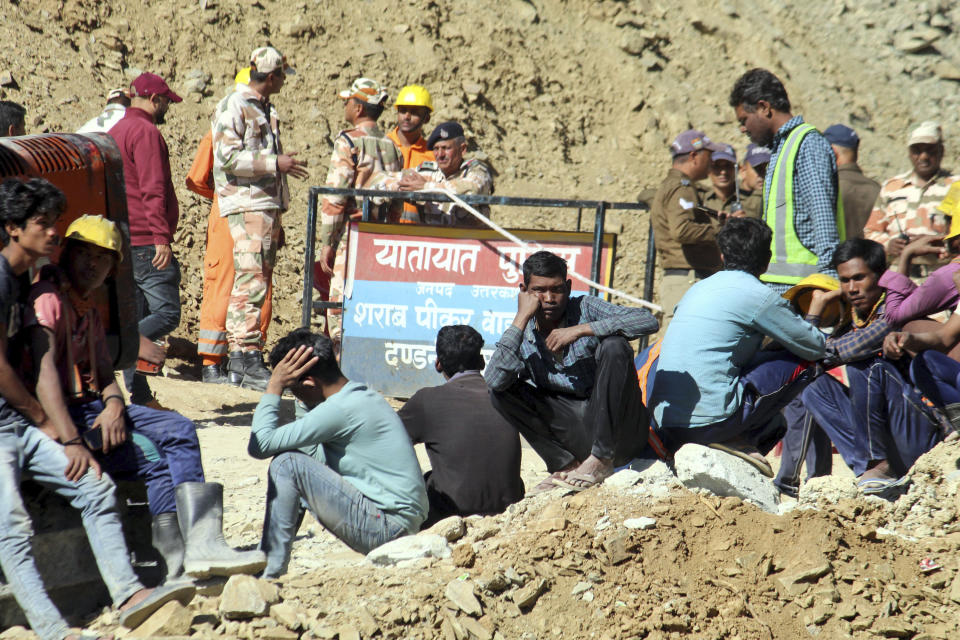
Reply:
x=150 y=84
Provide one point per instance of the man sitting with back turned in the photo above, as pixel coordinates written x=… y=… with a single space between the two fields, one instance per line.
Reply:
x=713 y=385
x=563 y=375
x=360 y=479
x=474 y=452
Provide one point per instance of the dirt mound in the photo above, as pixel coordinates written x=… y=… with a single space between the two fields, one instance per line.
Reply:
x=575 y=98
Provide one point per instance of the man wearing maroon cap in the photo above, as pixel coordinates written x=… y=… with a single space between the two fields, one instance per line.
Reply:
x=153 y=213
x=685 y=235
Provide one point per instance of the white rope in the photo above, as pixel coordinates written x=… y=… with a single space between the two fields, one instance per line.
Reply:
x=509 y=236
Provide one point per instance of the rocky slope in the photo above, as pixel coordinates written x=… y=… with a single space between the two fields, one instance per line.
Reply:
x=567 y=98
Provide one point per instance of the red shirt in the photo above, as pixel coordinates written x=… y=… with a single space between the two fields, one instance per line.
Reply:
x=151 y=201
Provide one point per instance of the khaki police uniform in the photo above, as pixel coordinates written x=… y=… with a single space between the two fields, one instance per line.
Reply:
x=859 y=193
x=685 y=239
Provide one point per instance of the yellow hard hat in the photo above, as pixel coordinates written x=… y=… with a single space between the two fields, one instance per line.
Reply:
x=951 y=207
x=243 y=76
x=801 y=295
x=413 y=95
x=96 y=230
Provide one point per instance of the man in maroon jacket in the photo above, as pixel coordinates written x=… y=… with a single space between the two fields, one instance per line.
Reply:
x=153 y=212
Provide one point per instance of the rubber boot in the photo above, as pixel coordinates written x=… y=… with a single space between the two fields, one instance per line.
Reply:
x=213 y=374
x=200 y=512
x=255 y=373
x=235 y=368
x=168 y=541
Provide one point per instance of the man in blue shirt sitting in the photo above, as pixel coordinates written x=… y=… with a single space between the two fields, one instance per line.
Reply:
x=563 y=375
x=713 y=384
x=349 y=459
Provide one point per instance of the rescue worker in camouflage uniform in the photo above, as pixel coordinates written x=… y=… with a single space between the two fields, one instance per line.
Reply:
x=450 y=171
x=906 y=208
x=358 y=154
x=250 y=173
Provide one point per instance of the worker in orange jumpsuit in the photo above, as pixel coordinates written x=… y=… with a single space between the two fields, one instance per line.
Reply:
x=414 y=107
x=217 y=267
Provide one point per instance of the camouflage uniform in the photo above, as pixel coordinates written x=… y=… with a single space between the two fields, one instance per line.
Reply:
x=252 y=194
x=473 y=177
x=358 y=154
x=904 y=206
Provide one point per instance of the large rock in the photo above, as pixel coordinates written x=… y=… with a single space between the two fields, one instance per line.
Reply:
x=452 y=528
x=723 y=474
x=424 y=545
x=172 y=619
x=826 y=489
x=247 y=597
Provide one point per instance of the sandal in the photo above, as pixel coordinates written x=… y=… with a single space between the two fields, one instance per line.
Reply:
x=588 y=480
x=547 y=484
x=743 y=452
x=883 y=487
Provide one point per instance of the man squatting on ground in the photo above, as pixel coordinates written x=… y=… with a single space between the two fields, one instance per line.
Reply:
x=29 y=441
x=713 y=384
x=70 y=366
x=474 y=453
x=348 y=459
x=563 y=376
x=878 y=422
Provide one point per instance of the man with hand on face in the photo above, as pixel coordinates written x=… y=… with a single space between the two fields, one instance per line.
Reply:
x=348 y=459
x=800 y=192
x=450 y=171
x=563 y=376
x=153 y=213
x=414 y=106
x=906 y=207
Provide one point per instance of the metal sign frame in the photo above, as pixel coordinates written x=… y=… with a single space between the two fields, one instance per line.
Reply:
x=600 y=206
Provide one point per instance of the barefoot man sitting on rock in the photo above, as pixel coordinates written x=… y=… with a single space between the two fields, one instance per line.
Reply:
x=349 y=459
x=563 y=375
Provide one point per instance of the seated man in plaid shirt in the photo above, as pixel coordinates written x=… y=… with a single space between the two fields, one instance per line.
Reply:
x=563 y=375
x=877 y=421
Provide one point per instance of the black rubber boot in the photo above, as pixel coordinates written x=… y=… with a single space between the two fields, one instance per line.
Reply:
x=255 y=373
x=200 y=511
x=168 y=541
x=235 y=368
x=213 y=374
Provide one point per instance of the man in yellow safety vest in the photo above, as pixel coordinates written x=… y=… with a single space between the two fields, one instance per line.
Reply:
x=800 y=192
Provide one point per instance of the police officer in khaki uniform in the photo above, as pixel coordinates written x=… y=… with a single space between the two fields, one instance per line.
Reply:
x=722 y=194
x=859 y=192
x=685 y=235
x=753 y=169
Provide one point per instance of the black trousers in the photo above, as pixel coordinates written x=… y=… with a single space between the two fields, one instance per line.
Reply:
x=561 y=428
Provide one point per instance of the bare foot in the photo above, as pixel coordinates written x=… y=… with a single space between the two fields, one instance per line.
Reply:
x=591 y=471
x=136 y=599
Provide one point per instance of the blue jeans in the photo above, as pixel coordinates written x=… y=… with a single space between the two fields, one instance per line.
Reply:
x=937 y=376
x=769 y=382
x=297 y=480
x=25 y=450
x=158 y=306
x=880 y=417
x=163 y=451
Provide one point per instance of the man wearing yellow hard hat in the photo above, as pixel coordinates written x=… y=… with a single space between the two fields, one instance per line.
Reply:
x=906 y=300
x=414 y=107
